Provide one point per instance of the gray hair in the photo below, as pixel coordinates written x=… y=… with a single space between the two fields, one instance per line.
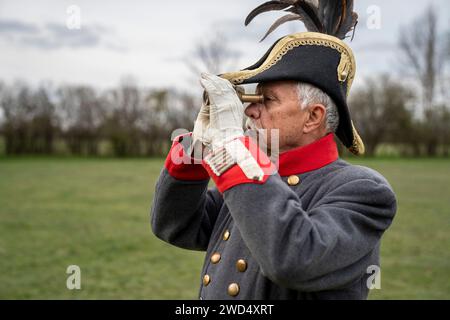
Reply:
x=309 y=94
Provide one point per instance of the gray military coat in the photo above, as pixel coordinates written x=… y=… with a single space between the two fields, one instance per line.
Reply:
x=311 y=235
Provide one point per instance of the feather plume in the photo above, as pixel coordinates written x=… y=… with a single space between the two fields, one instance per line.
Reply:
x=332 y=17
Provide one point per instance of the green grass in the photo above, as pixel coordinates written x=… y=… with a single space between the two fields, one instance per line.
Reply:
x=95 y=213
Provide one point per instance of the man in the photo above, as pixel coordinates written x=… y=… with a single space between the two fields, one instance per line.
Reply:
x=304 y=226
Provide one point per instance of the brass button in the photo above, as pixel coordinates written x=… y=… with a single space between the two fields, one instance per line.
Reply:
x=206 y=280
x=215 y=258
x=226 y=235
x=233 y=289
x=293 y=180
x=241 y=265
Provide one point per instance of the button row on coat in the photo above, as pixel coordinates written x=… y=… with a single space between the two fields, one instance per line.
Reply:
x=241 y=265
x=215 y=258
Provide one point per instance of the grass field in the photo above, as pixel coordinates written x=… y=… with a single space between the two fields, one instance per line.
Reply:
x=94 y=213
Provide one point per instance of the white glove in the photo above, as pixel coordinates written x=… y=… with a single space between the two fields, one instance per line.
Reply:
x=226 y=112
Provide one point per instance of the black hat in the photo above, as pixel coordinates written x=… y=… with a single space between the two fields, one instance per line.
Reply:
x=317 y=58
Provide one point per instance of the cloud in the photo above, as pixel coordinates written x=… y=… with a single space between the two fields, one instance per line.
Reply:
x=235 y=28
x=52 y=36
x=376 y=47
x=232 y=33
x=14 y=26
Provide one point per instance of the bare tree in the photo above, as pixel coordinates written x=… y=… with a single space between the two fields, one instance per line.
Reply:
x=380 y=111
x=421 y=54
x=121 y=125
x=29 y=124
x=44 y=124
x=82 y=114
x=426 y=57
x=155 y=123
x=212 y=54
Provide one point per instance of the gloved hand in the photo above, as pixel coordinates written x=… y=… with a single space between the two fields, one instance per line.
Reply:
x=226 y=116
x=226 y=112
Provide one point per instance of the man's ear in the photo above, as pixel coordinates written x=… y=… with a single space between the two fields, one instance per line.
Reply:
x=316 y=118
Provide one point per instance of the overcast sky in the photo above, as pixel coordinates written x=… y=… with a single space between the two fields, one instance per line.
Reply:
x=150 y=39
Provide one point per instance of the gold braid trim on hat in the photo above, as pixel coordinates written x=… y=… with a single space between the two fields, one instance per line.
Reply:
x=346 y=69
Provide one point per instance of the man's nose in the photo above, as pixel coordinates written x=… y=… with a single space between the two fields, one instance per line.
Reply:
x=253 y=111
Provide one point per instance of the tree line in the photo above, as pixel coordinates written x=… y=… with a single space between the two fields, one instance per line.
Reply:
x=132 y=121
x=79 y=120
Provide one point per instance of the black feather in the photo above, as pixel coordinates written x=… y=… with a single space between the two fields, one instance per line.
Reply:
x=332 y=14
x=279 y=22
x=308 y=15
x=265 y=7
x=332 y=17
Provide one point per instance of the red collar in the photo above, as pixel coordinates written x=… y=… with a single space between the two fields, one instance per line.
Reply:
x=308 y=158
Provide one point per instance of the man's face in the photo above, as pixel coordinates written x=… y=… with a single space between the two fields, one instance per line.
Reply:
x=280 y=110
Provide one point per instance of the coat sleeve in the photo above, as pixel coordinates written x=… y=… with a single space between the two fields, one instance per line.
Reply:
x=184 y=210
x=325 y=247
